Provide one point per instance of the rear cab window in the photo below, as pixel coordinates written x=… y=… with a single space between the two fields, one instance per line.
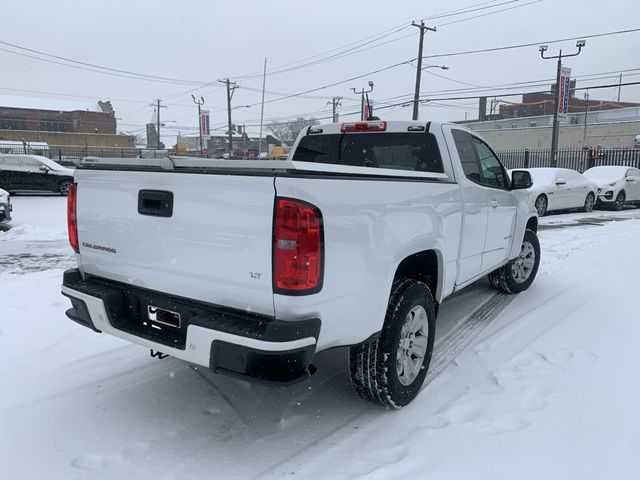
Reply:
x=405 y=151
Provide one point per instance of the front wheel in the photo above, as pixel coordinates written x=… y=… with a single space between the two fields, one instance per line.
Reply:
x=589 y=202
x=391 y=369
x=518 y=275
x=620 y=199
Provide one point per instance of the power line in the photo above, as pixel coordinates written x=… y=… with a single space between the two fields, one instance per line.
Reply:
x=69 y=95
x=490 y=13
x=424 y=99
x=367 y=40
x=92 y=65
x=460 y=10
x=470 y=10
x=405 y=99
x=530 y=44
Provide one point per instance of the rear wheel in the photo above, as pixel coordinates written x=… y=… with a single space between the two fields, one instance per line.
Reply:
x=63 y=187
x=589 y=202
x=391 y=369
x=518 y=275
x=541 y=205
x=620 y=199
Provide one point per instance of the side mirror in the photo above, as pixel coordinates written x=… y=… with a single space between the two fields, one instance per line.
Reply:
x=520 y=180
x=43 y=168
x=630 y=179
x=561 y=181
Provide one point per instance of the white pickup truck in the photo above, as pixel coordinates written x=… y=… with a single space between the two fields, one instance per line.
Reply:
x=252 y=267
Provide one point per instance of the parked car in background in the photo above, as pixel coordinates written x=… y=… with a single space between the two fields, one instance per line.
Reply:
x=33 y=173
x=616 y=185
x=561 y=189
x=5 y=207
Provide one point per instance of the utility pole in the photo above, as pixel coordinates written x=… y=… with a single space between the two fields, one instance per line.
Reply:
x=362 y=93
x=416 y=97
x=231 y=86
x=620 y=87
x=199 y=102
x=335 y=103
x=158 y=107
x=556 y=124
x=586 y=114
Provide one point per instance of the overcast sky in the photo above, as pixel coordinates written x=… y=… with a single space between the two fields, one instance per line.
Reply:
x=198 y=41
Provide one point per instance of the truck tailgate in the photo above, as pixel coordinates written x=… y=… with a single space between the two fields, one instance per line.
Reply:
x=214 y=247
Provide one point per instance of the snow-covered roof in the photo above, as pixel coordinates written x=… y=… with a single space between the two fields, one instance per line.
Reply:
x=43 y=103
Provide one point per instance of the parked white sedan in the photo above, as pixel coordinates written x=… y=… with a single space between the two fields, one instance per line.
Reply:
x=5 y=207
x=561 y=189
x=616 y=185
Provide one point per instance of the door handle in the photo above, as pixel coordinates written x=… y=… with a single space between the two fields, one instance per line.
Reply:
x=156 y=203
x=494 y=203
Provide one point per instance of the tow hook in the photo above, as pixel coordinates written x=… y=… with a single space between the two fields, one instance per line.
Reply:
x=157 y=354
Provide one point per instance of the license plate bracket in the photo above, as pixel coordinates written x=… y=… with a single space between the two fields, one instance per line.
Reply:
x=163 y=316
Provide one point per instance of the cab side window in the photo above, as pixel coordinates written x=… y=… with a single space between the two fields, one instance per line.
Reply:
x=467 y=154
x=493 y=174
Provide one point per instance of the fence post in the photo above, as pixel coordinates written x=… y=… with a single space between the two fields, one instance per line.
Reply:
x=60 y=155
x=526 y=158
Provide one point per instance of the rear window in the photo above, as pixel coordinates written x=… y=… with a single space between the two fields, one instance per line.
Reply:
x=400 y=151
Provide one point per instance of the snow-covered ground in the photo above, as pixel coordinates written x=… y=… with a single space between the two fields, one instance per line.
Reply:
x=538 y=386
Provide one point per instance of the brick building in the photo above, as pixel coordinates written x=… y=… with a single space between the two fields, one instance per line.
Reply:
x=93 y=125
x=539 y=104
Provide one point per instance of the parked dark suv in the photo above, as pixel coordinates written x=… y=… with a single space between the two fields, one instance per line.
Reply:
x=33 y=173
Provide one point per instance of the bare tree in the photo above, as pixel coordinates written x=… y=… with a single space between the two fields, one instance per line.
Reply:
x=288 y=131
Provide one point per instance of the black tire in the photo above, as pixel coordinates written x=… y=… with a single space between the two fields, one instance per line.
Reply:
x=63 y=187
x=589 y=202
x=541 y=205
x=620 y=199
x=510 y=278
x=374 y=365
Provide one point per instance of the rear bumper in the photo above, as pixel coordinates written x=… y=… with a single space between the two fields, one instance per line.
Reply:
x=227 y=341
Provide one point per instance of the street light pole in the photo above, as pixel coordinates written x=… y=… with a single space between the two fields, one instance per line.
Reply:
x=199 y=102
x=362 y=93
x=416 y=96
x=555 y=133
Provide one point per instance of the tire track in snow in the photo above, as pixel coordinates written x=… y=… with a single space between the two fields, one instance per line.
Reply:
x=447 y=349
x=462 y=336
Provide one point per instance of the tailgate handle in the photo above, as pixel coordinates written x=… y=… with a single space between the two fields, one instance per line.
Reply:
x=157 y=203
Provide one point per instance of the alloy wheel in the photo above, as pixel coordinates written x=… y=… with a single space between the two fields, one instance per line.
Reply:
x=412 y=346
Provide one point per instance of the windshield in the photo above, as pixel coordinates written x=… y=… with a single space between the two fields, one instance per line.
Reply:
x=51 y=164
x=399 y=151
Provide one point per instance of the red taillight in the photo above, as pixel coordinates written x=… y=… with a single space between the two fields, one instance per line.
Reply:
x=364 y=127
x=72 y=220
x=297 y=248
